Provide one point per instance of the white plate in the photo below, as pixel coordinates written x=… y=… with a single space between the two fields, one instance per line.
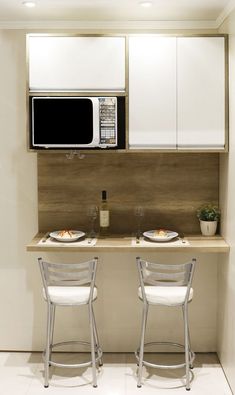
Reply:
x=150 y=234
x=75 y=235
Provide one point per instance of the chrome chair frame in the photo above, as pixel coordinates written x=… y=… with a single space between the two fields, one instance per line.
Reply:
x=63 y=274
x=169 y=275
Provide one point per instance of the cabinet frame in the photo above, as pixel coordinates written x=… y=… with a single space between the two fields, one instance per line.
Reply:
x=125 y=93
x=75 y=92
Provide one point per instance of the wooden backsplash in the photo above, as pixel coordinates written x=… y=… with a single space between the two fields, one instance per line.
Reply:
x=169 y=186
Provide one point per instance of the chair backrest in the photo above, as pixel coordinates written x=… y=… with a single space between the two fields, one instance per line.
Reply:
x=170 y=275
x=68 y=274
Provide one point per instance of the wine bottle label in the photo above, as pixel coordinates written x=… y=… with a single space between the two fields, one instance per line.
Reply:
x=104 y=218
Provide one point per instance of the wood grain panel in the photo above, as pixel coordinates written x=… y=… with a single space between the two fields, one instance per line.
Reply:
x=170 y=188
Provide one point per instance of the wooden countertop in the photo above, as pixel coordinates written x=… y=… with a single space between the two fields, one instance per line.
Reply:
x=215 y=244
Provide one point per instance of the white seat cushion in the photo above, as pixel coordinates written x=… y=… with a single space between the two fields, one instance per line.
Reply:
x=69 y=295
x=165 y=295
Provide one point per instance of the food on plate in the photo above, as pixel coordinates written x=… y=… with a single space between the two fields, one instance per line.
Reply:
x=66 y=233
x=160 y=233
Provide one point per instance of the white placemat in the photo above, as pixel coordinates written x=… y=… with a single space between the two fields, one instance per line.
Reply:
x=82 y=243
x=148 y=243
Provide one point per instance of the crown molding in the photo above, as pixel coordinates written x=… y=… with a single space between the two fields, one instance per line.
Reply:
x=225 y=13
x=109 y=25
x=120 y=25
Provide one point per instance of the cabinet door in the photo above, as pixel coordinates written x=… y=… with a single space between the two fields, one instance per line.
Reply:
x=201 y=92
x=152 y=92
x=76 y=63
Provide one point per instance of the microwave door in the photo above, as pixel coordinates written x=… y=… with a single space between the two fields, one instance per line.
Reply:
x=65 y=122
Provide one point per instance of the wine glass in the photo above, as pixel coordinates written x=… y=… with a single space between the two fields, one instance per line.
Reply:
x=92 y=213
x=139 y=214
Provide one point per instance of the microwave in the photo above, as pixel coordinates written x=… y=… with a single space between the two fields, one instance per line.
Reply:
x=66 y=122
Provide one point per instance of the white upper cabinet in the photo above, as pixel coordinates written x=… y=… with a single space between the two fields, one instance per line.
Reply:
x=152 y=92
x=76 y=63
x=177 y=92
x=201 y=92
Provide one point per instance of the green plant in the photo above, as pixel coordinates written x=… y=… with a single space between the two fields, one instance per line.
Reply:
x=208 y=212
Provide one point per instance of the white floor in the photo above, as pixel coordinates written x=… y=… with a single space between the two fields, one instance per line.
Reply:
x=22 y=374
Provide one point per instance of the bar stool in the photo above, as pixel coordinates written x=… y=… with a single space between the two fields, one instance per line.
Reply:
x=70 y=285
x=165 y=285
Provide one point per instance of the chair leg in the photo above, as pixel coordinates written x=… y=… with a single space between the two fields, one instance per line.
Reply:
x=189 y=344
x=47 y=351
x=190 y=350
x=91 y=320
x=52 y=324
x=186 y=344
x=97 y=343
x=141 y=352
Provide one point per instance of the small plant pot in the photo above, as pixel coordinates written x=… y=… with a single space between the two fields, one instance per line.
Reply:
x=208 y=228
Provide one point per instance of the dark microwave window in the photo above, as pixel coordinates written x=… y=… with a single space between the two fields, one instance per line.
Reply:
x=62 y=121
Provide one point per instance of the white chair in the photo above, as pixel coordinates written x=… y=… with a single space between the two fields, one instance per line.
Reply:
x=165 y=285
x=70 y=285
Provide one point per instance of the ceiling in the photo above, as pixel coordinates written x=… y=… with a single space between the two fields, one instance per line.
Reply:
x=211 y=11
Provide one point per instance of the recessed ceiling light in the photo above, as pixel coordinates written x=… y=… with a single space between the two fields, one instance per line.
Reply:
x=146 y=3
x=29 y=4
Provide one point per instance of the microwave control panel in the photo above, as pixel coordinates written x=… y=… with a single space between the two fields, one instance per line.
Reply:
x=108 y=121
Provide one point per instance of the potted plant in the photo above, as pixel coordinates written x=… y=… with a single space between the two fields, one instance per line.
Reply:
x=209 y=216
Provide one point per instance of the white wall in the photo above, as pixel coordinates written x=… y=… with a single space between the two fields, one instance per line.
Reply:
x=226 y=296
x=22 y=323
x=18 y=197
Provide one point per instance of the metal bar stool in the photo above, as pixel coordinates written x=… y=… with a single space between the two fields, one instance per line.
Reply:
x=165 y=285
x=70 y=285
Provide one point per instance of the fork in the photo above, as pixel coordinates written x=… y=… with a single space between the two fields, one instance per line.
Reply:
x=45 y=237
x=181 y=236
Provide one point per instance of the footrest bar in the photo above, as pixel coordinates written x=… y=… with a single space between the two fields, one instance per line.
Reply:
x=98 y=352
x=161 y=366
